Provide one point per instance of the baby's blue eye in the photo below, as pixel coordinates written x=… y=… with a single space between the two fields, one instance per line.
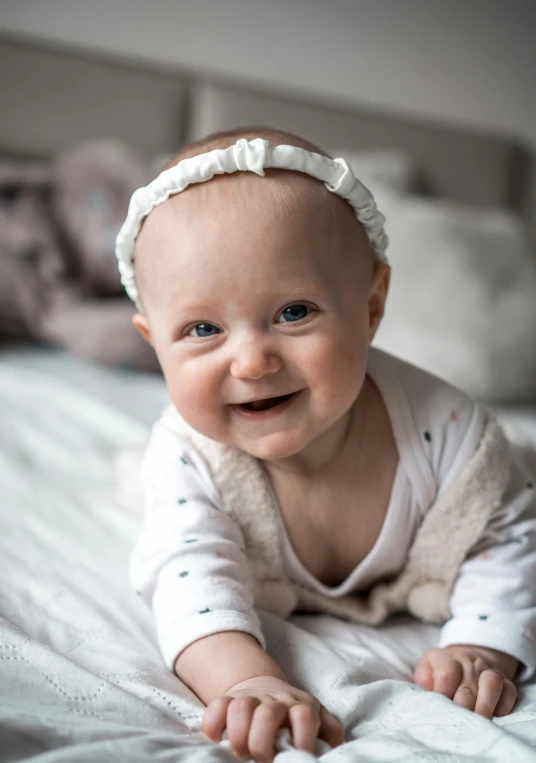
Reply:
x=207 y=329
x=294 y=313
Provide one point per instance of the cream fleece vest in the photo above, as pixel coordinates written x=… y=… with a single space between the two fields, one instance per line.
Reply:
x=452 y=525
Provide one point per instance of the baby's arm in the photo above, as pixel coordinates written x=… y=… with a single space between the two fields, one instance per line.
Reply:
x=491 y=637
x=189 y=565
x=247 y=694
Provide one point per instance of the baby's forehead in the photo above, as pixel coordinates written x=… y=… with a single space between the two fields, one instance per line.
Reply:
x=286 y=201
x=284 y=197
x=277 y=190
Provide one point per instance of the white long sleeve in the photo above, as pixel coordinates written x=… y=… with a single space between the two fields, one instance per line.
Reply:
x=188 y=563
x=494 y=598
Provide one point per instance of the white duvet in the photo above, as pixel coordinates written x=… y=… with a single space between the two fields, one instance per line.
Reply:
x=81 y=677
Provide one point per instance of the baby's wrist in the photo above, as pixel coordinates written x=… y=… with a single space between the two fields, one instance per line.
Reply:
x=239 y=658
x=270 y=680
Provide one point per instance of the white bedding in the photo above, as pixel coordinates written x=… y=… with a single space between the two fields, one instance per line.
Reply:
x=80 y=674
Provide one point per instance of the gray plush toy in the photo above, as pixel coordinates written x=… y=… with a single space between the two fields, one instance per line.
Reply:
x=59 y=281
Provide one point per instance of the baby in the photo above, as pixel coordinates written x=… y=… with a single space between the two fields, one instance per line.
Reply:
x=299 y=468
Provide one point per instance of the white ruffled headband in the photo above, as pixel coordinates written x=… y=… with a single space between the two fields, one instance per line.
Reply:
x=252 y=156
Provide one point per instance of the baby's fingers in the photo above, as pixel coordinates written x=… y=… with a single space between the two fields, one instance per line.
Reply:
x=508 y=699
x=215 y=718
x=448 y=675
x=239 y=717
x=331 y=731
x=496 y=695
x=267 y=719
x=424 y=674
x=467 y=692
x=304 y=723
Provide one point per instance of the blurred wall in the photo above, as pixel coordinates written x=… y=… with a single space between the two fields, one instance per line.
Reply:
x=468 y=62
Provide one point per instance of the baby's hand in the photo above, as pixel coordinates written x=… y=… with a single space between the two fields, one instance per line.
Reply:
x=254 y=710
x=473 y=677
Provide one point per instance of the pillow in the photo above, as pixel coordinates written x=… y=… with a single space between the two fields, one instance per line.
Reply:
x=383 y=171
x=462 y=302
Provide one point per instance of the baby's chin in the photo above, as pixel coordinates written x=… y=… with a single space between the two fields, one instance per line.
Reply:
x=269 y=446
x=273 y=447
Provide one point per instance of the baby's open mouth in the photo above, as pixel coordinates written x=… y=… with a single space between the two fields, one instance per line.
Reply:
x=264 y=405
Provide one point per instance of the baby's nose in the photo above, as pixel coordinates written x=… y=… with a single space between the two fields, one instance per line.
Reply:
x=254 y=360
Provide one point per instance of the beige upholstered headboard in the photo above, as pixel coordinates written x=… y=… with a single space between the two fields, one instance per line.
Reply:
x=465 y=166
x=51 y=98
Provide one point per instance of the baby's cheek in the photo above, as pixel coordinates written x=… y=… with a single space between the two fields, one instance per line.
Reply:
x=338 y=369
x=196 y=398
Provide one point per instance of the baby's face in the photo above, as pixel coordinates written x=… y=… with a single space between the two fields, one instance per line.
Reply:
x=258 y=288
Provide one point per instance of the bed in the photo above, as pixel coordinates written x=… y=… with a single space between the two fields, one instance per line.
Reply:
x=81 y=675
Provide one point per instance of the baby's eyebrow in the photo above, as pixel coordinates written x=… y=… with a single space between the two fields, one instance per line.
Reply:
x=307 y=289
x=313 y=288
x=192 y=307
x=284 y=293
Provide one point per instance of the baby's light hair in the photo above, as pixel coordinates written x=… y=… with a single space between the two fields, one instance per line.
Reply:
x=226 y=138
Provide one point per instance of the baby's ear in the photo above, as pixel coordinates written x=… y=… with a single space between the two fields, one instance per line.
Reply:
x=377 y=295
x=140 y=323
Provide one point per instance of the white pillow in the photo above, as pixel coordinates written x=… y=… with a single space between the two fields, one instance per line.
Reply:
x=462 y=302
